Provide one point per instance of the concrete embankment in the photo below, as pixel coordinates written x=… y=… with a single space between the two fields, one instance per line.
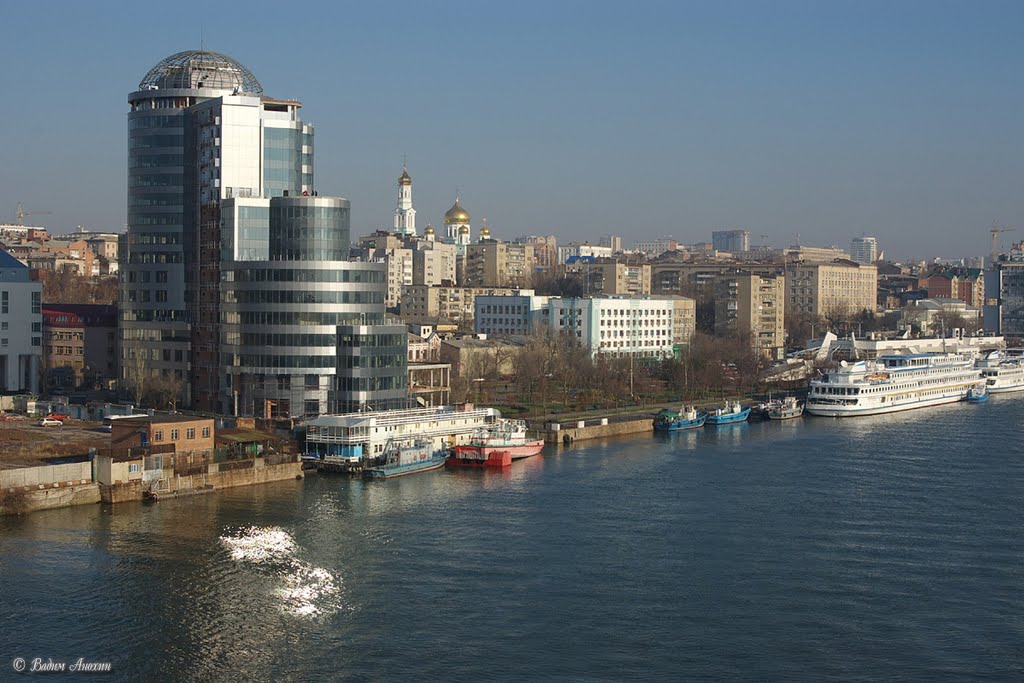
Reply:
x=27 y=489
x=597 y=427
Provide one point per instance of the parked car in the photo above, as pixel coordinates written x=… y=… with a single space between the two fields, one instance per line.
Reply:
x=50 y=422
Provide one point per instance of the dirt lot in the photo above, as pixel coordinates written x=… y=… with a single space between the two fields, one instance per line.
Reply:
x=23 y=442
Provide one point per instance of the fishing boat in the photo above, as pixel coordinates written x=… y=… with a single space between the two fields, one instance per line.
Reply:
x=408 y=457
x=892 y=383
x=672 y=421
x=731 y=413
x=786 y=409
x=979 y=393
x=496 y=446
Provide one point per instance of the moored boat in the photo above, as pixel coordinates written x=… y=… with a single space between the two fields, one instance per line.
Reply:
x=787 y=409
x=496 y=446
x=893 y=383
x=731 y=413
x=979 y=393
x=399 y=459
x=672 y=421
x=1002 y=375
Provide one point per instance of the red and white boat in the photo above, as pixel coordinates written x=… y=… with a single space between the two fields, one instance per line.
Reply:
x=496 y=446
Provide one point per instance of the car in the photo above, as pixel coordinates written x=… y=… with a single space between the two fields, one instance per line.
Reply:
x=50 y=422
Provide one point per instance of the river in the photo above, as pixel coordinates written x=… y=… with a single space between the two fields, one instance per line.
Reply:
x=873 y=547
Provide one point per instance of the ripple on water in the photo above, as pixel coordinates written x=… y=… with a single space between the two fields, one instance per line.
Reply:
x=305 y=589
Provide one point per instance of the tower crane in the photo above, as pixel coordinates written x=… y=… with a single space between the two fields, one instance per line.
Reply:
x=21 y=213
x=995 y=230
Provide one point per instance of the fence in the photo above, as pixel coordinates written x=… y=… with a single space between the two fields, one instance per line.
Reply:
x=45 y=475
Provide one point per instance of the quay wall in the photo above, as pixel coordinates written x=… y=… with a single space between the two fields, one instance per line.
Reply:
x=16 y=501
x=568 y=432
x=243 y=473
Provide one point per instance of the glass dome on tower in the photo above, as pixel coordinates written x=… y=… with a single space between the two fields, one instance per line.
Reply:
x=194 y=69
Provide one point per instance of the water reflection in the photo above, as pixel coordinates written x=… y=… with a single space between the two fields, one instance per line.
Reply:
x=305 y=590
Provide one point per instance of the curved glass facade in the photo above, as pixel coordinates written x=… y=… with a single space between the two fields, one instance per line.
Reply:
x=280 y=315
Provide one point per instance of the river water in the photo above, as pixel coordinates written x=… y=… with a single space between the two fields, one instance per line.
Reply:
x=875 y=547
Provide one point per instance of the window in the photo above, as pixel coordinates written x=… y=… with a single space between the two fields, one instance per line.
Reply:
x=133 y=468
x=190 y=433
x=158 y=435
x=37 y=304
x=206 y=432
x=5 y=301
x=3 y=342
x=174 y=434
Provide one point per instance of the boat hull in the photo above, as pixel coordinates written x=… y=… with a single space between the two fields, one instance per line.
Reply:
x=680 y=425
x=390 y=472
x=733 y=418
x=494 y=456
x=464 y=457
x=852 y=411
x=786 y=414
x=1006 y=389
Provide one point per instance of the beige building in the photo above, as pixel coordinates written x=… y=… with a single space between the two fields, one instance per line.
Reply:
x=183 y=433
x=456 y=304
x=616 y=278
x=472 y=358
x=684 y=320
x=545 y=250
x=490 y=263
x=754 y=304
x=828 y=289
x=434 y=263
x=799 y=252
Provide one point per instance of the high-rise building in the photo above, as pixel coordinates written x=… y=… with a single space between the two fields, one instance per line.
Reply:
x=731 y=240
x=752 y=304
x=864 y=249
x=21 y=326
x=236 y=274
x=405 y=215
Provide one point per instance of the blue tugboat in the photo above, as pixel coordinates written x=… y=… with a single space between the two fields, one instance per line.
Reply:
x=731 y=413
x=399 y=459
x=671 y=421
x=978 y=393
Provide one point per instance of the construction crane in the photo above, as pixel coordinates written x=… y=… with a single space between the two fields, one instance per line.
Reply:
x=995 y=230
x=21 y=213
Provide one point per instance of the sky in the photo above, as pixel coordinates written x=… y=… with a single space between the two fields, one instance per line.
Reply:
x=817 y=121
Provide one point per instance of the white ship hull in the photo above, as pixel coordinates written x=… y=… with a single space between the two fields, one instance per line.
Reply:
x=880 y=409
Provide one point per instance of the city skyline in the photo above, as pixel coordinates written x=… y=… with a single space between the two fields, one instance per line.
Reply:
x=578 y=120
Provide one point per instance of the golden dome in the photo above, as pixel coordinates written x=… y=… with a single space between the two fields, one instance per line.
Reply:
x=429 y=230
x=464 y=229
x=404 y=179
x=456 y=214
x=485 y=233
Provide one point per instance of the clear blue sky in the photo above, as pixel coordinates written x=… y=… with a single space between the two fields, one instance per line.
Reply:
x=824 y=119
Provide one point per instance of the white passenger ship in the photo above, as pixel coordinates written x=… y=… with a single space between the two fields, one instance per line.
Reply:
x=1002 y=375
x=893 y=383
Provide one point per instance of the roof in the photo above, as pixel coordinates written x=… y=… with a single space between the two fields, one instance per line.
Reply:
x=8 y=261
x=244 y=436
x=161 y=419
x=194 y=69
